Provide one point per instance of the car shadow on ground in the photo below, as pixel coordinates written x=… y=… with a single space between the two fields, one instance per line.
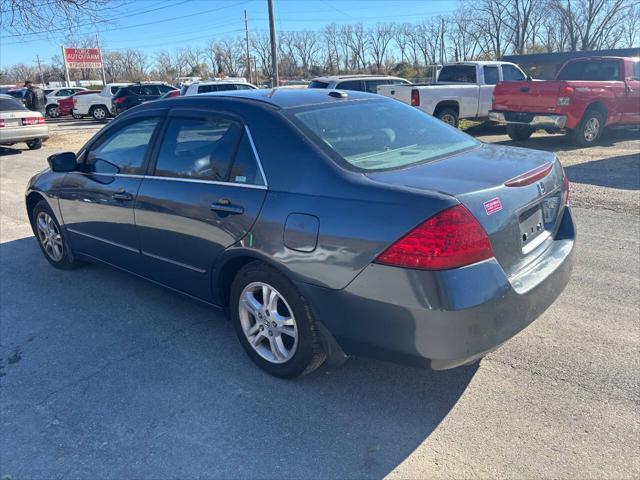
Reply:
x=560 y=142
x=107 y=375
x=622 y=171
x=5 y=151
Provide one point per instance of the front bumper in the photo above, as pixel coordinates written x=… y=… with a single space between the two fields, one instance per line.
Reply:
x=542 y=120
x=445 y=318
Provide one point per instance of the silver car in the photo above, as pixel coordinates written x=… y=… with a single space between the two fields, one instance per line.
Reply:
x=17 y=124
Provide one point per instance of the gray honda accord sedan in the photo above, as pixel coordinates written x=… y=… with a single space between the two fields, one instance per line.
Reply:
x=324 y=222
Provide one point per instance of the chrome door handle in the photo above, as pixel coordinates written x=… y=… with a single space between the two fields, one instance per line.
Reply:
x=122 y=196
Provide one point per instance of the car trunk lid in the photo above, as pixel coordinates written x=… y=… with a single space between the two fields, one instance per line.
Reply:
x=520 y=219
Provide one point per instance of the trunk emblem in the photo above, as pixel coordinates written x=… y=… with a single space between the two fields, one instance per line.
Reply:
x=492 y=206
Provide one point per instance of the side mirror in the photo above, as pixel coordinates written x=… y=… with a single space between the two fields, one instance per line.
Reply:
x=63 y=162
x=104 y=166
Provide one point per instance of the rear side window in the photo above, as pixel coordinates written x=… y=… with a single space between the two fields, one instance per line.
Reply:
x=318 y=84
x=205 y=88
x=114 y=89
x=10 y=105
x=591 y=70
x=379 y=135
x=242 y=86
x=491 y=76
x=198 y=148
x=372 y=85
x=458 y=74
x=245 y=165
x=350 y=85
x=122 y=151
x=636 y=70
x=512 y=74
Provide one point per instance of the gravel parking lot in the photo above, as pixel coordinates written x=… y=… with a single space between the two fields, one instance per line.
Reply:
x=104 y=375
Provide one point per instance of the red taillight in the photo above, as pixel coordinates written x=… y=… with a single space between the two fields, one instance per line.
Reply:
x=452 y=238
x=415 y=97
x=567 y=187
x=174 y=93
x=529 y=177
x=1 y=123
x=33 y=121
x=118 y=100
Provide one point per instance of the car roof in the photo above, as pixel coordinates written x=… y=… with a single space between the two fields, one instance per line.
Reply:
x=219 y=82
x=291 y=97
x=363 y=76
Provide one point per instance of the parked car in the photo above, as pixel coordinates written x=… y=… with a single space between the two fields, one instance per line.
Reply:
x=51 y=110
x=17 y=124
x=463 y=90
x=465 y=244
x=96 y=105
x=587 y=95
x=17 y=93
x=196 y=88
x=137 y=93
x=65 y=105
x=359 y=83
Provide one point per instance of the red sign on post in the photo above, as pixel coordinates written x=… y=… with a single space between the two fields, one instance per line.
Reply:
x=83 y=57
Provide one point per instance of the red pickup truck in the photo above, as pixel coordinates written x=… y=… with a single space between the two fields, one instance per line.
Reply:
x=587 y=95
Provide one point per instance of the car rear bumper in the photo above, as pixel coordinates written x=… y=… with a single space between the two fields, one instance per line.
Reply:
x=447 y=318
x=23 y=134
x=542 y=120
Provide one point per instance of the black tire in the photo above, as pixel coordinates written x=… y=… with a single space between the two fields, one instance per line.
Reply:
x=448 y=116
x=583 y=135
x=519 y=133
x=34 y=144
x=76 y=116
x=67 y=260
x=52 y=111
x=99 y=113
x=308 y=354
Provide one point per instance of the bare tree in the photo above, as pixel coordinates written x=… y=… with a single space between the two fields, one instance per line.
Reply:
x=490 y=18
x=523 y=16
x=378 y=40
x=306 y=45
x=331 y=38
x=631 y=28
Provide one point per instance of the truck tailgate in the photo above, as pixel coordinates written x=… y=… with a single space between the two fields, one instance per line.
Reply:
x=534 y=96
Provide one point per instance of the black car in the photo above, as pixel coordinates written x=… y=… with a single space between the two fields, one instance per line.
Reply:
x=138 y=93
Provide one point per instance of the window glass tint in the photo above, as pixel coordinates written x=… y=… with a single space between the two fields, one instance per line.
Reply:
x=381 y=135
x=591 y=70
x=371 y=86
x=491 y=76
x=242 y=86
x=458 y=73
x=198 y=148
x=245 y=166
x=65 y=92
x=165 y=88
x=636 y=70
x=512 y=74
x=350 y=85
x=318 y=84
x=114 y=89
x=9 y=104
x=205 y=88
x=223 y=87
x=122 y=151
x=398 y=81
x=149 y=90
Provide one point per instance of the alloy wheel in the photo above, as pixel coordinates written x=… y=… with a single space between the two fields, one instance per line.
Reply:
x=448 y=119
x=99 y=114
x=49 y=236
x=591 y=129
x=268 y=322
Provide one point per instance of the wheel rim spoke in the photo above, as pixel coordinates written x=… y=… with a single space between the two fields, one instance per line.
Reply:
x=49 y=236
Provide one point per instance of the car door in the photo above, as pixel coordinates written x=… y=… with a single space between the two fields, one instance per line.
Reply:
x=203 y=193
x=97 y=200
x=632 y=94
x=491 y=75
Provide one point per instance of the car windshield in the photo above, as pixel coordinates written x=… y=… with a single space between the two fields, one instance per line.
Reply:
x=380 y=135
x=10 y=105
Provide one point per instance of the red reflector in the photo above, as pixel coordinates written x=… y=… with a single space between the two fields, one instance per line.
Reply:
x=1 y=123
x=450 y=239
x=118 y=100
x=415 y=98
x=567 y=187
x=33 y=121
x=529 y=177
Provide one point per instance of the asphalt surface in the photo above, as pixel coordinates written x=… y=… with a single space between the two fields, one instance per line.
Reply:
x=103 y=375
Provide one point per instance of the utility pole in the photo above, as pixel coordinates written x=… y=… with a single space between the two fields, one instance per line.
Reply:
x=66 y=68
x=104 y=78
x=40 y=70
x=274 y=59
x=246 y=39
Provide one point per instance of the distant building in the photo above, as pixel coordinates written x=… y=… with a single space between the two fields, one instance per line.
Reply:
x=545 y=65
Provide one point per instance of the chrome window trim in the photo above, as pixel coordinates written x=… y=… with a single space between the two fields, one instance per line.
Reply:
x=173 y=262
x=255 y=154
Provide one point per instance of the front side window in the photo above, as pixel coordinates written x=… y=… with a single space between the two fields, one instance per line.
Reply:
x=512 y=74
x=198 y=148
x=122 y=151
x=458 y=74
x=379 y=135
x=350 y=85
x=491 y=76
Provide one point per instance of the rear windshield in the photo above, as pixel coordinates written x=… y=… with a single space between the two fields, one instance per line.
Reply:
x=380 y=135
x=458 y=73
x=9 y=104
x=318 y=84
x=592 y=70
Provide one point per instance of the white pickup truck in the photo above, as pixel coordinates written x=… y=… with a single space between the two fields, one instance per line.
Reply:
x=96 y=105
x=462 y=90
